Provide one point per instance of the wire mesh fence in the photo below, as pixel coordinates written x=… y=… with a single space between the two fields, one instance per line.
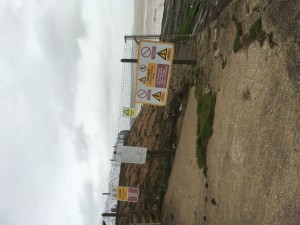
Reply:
x=124 y=123
x=179 y=80
x=184 y=50
x=161 y=135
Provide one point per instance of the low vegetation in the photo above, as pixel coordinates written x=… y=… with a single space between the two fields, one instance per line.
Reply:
x=186 y=25
x=237 y=42
x=256 y=33
x=205 y=112
x=256 y=30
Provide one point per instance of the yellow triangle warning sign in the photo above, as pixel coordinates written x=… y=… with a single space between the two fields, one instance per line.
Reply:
x=129 y=112
x=143 y=80
x=163 y=54
x=126 y=112
x=157 y=95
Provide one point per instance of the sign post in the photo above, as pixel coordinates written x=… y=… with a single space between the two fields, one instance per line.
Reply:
x=154 y=67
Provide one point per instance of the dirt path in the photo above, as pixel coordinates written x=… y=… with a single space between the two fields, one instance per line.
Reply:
x=186 y=178
x=253 y=156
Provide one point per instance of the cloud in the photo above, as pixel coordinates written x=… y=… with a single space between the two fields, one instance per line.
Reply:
x=13 y=25
x=88 y=204
x=80 y=144
x=59 y=90
x=58 y=31
x=38 y=83
x=4 y=218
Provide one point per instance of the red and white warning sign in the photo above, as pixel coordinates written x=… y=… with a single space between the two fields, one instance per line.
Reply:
x=153 y=72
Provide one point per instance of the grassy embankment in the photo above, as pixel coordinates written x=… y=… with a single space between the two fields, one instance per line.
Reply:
x=205 y=112
x=255 y=33
x=205 y=101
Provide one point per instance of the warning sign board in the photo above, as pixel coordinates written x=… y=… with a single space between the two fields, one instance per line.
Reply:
x=128 y=194
x=143 y=80
x=163 y=54
x=153 y=72
x=129 y=112
x=122 y=193
x=160 y=96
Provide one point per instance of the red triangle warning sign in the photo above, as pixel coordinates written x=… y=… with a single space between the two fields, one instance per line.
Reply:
x=157 y=95
x=163 y=54
x=143 y=80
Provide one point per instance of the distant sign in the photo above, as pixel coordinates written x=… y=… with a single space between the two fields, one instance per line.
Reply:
x=114 y=193
x=128 y=194
x=129 y=112
x=153 y=73
x=129 y=154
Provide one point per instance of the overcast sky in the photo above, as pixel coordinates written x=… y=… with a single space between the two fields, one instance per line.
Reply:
x=59 y=92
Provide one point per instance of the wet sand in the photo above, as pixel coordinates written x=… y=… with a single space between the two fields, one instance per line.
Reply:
x=148 y=16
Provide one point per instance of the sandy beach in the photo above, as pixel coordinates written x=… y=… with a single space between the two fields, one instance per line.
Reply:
x=148 y=16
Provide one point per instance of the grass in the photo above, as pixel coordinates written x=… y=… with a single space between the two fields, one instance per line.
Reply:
x=239 y=29
x=166 y=162
x=237 y=42
x=205 y=112
x=256 y=32
x=255 y=29
x=270 y=40
x=196 y=75
x=185 y=27
x=162 y=188
x=237 y=45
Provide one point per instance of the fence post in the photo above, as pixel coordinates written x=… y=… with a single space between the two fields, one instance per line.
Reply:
x=175 y=61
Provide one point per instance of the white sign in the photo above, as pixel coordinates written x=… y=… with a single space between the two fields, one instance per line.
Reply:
x=114 y=193
x=129 y=154
x=153 y=72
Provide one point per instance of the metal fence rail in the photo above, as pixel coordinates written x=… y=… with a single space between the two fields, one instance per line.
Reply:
x=126 y=100
x=127 y=94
